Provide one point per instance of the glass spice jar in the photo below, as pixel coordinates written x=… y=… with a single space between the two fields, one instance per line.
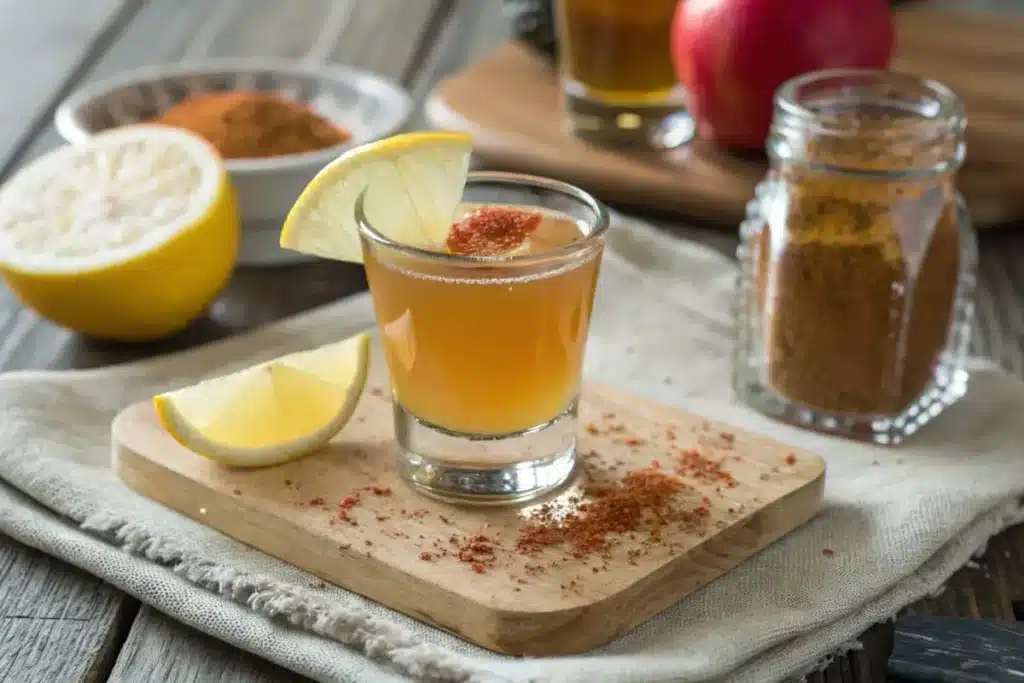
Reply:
x=857 y=258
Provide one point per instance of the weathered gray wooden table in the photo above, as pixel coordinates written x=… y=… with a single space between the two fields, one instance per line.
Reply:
x=60 y=625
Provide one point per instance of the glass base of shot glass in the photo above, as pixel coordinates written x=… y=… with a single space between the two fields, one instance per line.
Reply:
x=485 y=470
x=949 y=386
x=659 y=126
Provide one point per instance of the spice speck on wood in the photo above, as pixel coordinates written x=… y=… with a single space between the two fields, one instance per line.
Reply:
x=478 y=551
x=642 y=501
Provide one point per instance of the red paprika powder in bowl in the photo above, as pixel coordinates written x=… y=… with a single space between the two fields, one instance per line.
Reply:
x=248 y=124
x=275 y=122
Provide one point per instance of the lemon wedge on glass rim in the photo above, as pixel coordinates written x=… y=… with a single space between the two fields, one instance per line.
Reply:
x=413 y=184
x=273 y=412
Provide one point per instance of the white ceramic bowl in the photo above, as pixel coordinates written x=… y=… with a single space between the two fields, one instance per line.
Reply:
x=367 y=105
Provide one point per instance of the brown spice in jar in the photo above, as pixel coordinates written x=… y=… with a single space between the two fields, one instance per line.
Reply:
x=848 y=327
x=248 y=124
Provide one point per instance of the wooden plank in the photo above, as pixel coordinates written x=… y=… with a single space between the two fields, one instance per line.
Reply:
x=1004 y=7
x=269 y=28
x=162 y=31
x=988 y=587
x=159 y=648
x=386 y=36
x=955 y=650
x=999 y=303
x=57 y=623
x=59 y=35
x=470 y=31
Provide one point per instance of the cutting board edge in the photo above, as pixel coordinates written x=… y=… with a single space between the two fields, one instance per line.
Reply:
x=989 y=212
x=552 y=630
x=131 y=467
x=493 y=148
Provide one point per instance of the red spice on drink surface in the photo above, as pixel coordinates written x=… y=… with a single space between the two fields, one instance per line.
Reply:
x=790 y=459
x=828 y=552
x=492 y=231
x=378 y=490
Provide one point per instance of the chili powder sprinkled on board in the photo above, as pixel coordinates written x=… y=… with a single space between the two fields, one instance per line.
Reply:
x=641 y=501
x=478 y=551
x=691 y=463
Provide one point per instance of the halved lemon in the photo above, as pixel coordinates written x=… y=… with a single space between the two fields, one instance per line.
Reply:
x=270 y=413
x=413 y=184
x=128 y=236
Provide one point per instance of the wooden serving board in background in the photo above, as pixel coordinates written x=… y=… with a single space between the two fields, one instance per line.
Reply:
x=544 y=604
x=509 y=101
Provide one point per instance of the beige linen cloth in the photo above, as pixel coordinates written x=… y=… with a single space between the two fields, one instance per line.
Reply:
x=900 y=521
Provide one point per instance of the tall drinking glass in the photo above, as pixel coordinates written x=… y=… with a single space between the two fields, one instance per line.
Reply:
x=618 y=82
x=485 y=353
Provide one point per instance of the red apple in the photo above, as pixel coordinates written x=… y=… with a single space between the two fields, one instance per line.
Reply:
x=732 y=55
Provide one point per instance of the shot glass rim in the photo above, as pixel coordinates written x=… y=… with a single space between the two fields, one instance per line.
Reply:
x=600 y=224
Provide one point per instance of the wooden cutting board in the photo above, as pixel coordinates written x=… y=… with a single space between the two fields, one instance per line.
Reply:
x=509 y=102
x=399 y=548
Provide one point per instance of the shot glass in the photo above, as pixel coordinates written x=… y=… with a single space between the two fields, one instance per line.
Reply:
x=615 y=69
x=485 y=353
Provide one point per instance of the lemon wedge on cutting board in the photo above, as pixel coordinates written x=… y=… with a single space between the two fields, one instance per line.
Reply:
x=413 y=184
x=127 y=236
x=272 y=412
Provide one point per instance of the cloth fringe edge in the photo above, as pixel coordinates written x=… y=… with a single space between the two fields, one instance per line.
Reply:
x=284 y=602
x=377 y=639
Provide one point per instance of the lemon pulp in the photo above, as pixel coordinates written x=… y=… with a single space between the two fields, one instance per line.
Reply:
x=128 y=236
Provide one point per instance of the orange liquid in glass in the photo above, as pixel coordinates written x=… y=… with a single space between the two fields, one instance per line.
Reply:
x=489 y=350
x=619 y=49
